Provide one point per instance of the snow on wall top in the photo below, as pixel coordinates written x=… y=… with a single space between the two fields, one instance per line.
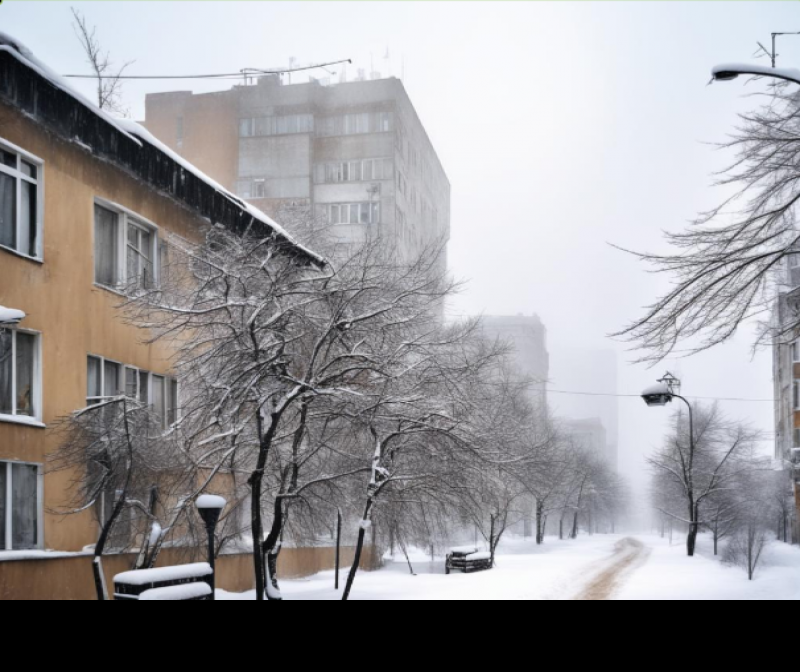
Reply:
x=139 y=135
x=11 y=316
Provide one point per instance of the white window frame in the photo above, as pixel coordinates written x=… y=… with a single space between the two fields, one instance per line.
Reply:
x=794 y=352
x=36 y=420
x=258 y=190
x=124 y=368
x=5 y=544
x=39 y=182
x=125 y=219
x=374 y=213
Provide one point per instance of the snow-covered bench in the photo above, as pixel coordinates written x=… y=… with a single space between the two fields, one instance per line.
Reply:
x=190 y=592
x=468 y=559
x=182 y=583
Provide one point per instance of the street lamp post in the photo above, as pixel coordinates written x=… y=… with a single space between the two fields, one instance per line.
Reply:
x=210 y=508
x=661 y=395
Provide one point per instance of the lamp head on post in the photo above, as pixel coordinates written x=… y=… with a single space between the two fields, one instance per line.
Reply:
x=663 y=393
x=725 y=76
x=210 y=509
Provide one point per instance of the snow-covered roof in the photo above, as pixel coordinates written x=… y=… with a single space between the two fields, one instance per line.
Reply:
x=787 y=74
x=10 y=316
x=25 y=56
x=141 y=137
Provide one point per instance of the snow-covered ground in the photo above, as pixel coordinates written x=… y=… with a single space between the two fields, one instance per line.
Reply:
x=563 y=571
x=670 y=575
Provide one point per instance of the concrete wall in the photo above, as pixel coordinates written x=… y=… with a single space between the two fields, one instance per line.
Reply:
x=287 y=163
x=210 y=130
x=73 y=579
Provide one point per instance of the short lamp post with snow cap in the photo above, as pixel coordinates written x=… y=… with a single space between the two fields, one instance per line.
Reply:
x=210 y=509
x=668 y=388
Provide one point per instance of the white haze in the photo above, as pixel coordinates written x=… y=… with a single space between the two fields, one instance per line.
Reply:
x=563 y=127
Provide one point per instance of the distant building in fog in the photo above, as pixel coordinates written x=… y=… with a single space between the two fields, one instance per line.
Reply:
x=355 y=154
x=528 y=335
x=591 y=435
x=590 y=371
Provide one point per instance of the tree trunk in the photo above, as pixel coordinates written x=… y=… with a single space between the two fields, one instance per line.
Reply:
x=716 y=539
x=694 y=529
x=258 y=534
x=256 y=487
x=272 y=550
x=539 y=523
x=574 y=534
x=491 y=539
x=351 y=577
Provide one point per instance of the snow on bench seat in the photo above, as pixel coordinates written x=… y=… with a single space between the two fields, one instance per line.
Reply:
x=475 y=557
x=185 y=593
x=145 y=577
x=464 y=550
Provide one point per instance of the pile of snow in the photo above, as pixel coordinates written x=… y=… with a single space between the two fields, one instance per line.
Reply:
x=475 y=557
x=211 y=502
x=10 y=316
x=145 y=577
x=190 y=591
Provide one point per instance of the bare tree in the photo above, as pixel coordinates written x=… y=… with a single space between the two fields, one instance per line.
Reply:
x=727 y=267
x=749 y=541
x=692 y=470
x=109 y=78
x=129 y=472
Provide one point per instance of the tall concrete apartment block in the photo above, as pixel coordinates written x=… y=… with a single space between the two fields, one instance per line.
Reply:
x=355 y=154
x=528 y=336
x=786 y=369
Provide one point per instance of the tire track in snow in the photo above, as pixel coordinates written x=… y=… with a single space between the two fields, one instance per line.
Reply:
x=629 y=555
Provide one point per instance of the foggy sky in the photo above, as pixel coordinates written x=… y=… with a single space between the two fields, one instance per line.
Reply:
x=562 y=127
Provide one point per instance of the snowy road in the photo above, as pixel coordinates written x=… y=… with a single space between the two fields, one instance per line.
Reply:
x=644 y=567
x=629 y=555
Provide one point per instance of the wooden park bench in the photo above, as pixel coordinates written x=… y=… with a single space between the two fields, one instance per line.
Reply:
x=182 y=583
x=468 y=559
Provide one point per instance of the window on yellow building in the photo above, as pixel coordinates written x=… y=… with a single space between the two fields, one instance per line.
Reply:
x=20 y=201
x=19 y=375
x=108 y=379
x=20 y=506
x=125 y=249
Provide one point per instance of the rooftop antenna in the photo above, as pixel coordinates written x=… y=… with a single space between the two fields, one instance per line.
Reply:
x=774 y=53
